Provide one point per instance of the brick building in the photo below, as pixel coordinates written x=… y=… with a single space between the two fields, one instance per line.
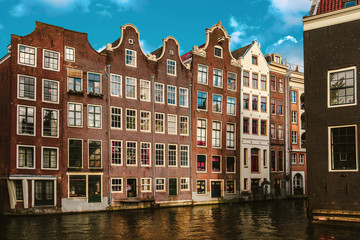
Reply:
x=215 y=114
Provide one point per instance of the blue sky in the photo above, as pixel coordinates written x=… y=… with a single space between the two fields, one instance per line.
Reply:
x=276 y=24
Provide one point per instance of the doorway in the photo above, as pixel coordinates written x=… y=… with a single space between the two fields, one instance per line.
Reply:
x=172 y=186
x=277 y=187
x=131 y=186
x=298 y=184
x=215 y=189
x=44 y=193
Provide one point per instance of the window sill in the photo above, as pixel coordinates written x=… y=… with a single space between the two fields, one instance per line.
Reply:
x=74 y=169
x=79 y=93
x=95 y=95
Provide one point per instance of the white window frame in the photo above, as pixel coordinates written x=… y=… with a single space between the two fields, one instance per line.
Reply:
x=168 y=124
x=25 y=64
x=87 y=75
x=187 y=183
x=82 y=115
x=187 y=125
x=122 y=185
x=133 y=56
x=43 y=92
x=294 y=117
x=163 y=93
x=207 y=74
x=220 y=170
x=206 y=134
x=188 y=155
x=221 y=51
x=292 y=142
x=66 y=54
x=302 y=158
x=42 y=158
x=228 y=180
x=294 y=158
x=121 y=116
x=42 y=122
x=141 y=118
x=82 y=151
x=121 y=153
x=234 y=164
x=169 y=66
x=58 y=64
x=136 y=123
x=17 y=121
x=176 y=155
x=149 y=90
x=222 y=78
x=207 y=99
x=136 y=154
x=67 y=79
x=212 y=134
x=17 y=156
x=227 y=107
x=227 y=83
x=142 y=184
x=175 y=95
x=162 y=132
x=202 y=194
x=234 y=124
x=101 y=153
x=186 y=97
x=18 y=87
x=164 y=185
x=164 y=155
x=135 y=80
x=100 y=116
x=112 y=83
x=221 y=103
x=206 y=163
x=141 y=164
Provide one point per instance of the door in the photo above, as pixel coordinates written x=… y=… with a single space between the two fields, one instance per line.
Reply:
x=131 y=187
x=215 y=189
x=44 y=193
x=94 y=188
x=172 y=186
x=298 y=184
x=255 y=186
x=277 y=187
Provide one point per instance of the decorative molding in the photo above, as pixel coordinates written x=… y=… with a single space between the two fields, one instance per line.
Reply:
x=236 y=62
x=151 y=57
x=199 y=51
x=109 y=47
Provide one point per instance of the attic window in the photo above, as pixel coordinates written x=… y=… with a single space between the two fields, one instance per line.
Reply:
x=131 y=41
x=277 y=59
x=171 y=52
x=349 y=4
x=218 y=52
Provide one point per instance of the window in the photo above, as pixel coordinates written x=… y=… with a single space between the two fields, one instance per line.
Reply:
x=245 y=183
x=94 y=116
x=230 y=186
x=50 y=91
x=246 y=101
x=216 y=133
x=184 y=125
x=230 y=135
x=272 y=131
x=201 y=187
x=183 y=95
x=26 y=120
x=50 y=123
x=293 y=96
x=218 y=52
x=245 y=157
x=255 y=160
x=131 y=153
x=94 y=83
x=246 y=79
x=277 y=59
x=293 y=158
x=273 y=83
x=280 y=106
x=280 y=161
x=94 y=154
x=172 y=155
x=160 y=184
x=75 y=114
x=265 y=157
x=145 y=184
x=301 y=158
x=254 y=60
x=116 y=185
x=263 y=104
x=171 y=95
x=263 y=127
x=255 y=126
x=255 y=103
x=116 y=152
x=145 y=121
x=230 y=164
x=294 y=137
x=263 y=83
x=19 y=190
x=231 y=84
x=172 y=124
x=116 y=115
x=255 y=80
x=171 y=67
x=159 y=93
x=70 y=54
x=273 y=161
x=217 y=78
x=77 y=186
x=26 y=156
x=184 y=184
x=202 y=74
x=145 y=151
x=26 y=87
x=342 y=85
x=201 y=163
x=281 y=132
x=184 y=156
x=159 y=123
x=74 y=80
x=216 y=164
x=281 y=85
x=131 y=118
x=159 y=154
x=51 y=60
x=27 y=55
x=130 y=58
x=293 y=116
x=130 y=88
x=273 y=106
x=116 y=85
x=201 y=132
x=49 y=158
x=217 y=103
x=75 y=153
x=230 y=109
x=343 y=153
x=245 y=125
x=202 y=100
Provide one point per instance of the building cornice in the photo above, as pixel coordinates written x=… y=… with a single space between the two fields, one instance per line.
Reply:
x=332 y=18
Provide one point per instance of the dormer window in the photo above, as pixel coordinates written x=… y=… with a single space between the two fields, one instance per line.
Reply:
x=277 y=59
x=130 y=58
x=349 y=4
x=254 y=60
x=218 y=52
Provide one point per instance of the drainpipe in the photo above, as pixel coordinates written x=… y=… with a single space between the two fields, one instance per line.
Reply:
x=240 y=133
x=153 y=131
x=191 y=138
x=287 y=121
x=107 y=73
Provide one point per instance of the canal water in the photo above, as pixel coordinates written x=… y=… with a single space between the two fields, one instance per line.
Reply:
x=259 y=220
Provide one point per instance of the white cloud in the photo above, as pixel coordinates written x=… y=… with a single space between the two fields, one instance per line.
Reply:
x=26 y=7
x=240 y=34
x=102 y=48
x=290 y=11
x=287 y=38
x=105 y=13
x=127 y=4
